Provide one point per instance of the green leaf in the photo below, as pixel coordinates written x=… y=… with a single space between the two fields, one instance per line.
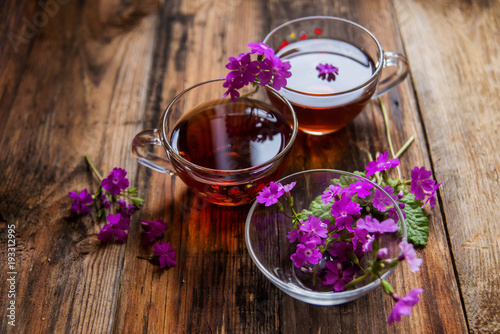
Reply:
x=318 y=209
x=417 y=221
x=137 y=201
x=344 y=181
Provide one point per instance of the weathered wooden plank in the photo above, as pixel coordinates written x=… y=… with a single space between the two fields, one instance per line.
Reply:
x=454 y=50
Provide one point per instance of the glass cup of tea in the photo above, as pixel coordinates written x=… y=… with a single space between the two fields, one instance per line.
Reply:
x=224 y=150
x=336 y=70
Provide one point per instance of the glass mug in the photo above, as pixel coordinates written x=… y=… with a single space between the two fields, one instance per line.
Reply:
x=327 y=104
x=224 y=150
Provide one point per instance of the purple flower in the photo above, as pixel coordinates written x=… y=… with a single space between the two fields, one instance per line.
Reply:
x=337 y=276
x=315 y=226
x=343 y=210
x=372 y=225
x=381 y=164
x=288 y=187
x=327 y=71
x=421 y=182
x=153 y=230
x=242 y=68
x=410 y=256
x=381 y=201
x=393 y=213
x=261 y=49
x=360 y=235
x=382 y=253
x=272 y=69
x=294 y=235
x=116 y=228
x=165 y=253
x=116 y=181
x=105 y=201
x=341 y=250
x=362 y=188
x=328 y=195
x=306 y=252
x=403 y=305
x=432 y=196
x=232 y=88
x=270 y=195
x=80 y=201
x=128 y=210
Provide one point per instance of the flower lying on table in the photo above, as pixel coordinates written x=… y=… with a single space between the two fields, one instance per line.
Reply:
x=114 y=190
x=346 y=223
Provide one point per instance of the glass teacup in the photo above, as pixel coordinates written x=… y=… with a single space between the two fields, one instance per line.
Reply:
x=224 y=150
x=336 y=70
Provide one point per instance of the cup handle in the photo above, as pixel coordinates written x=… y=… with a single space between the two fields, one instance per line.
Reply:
x=147 y=158
x=397 y=60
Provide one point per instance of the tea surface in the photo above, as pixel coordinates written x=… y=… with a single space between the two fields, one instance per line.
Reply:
x=231 y=136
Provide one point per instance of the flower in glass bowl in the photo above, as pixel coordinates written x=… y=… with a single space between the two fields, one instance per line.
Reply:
x=345 y=240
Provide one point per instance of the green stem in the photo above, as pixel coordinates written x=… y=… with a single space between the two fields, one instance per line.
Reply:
x=388 y=132
x=315 y=273
x=405 y=147
x=356 y=281
x=92 y=167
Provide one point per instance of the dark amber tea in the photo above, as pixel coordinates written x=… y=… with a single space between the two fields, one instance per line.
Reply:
x=226 y=136
x=324 y=106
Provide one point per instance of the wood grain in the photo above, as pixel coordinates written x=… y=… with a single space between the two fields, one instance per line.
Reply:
x=97 y=72
x=459 y=106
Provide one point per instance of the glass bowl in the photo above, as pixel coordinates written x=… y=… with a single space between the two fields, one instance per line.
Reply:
x=267 y=228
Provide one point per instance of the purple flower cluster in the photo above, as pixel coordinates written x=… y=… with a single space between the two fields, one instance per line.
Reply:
x=267 y=69
x=382 y=163
x=115 y=189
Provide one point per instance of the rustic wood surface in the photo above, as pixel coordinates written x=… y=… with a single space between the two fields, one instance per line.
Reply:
x=83 y=77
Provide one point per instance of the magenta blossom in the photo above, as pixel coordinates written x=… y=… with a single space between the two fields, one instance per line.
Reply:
x=288 y=187
x=261 y=49
x=403 y=305
x=243 y=68
x=232 y=86
x=315 y=226
x=81 y=201
x=116 y=228
x=327 y=71
x=329 y=195
x=410 y=256
x=306 y=253
x=372 y=225
x=343 y=210
x=153 y=230
x=432 y=196
x=337 y=276
x=270 y=195
x=116 y=181
x=421 y=182
x=361 y=188
x=381 y=201
x=381 y=164
x=275 y=71
x=166 y=254
x=105 y=201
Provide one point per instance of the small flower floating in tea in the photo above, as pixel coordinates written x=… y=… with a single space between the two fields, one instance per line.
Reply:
x=114 y=191
x=267 y=69
x=327 y=72
x=345 y=224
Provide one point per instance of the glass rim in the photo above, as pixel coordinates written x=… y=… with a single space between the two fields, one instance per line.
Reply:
x=372 y=78
x=171 y=151
x=320 y=296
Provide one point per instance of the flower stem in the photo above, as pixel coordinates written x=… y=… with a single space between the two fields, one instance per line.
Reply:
x=405 y=147
x=356 y=281
x=388 y=132
x=92 y=167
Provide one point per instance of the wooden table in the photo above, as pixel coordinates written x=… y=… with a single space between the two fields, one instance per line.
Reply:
x=83 y=77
